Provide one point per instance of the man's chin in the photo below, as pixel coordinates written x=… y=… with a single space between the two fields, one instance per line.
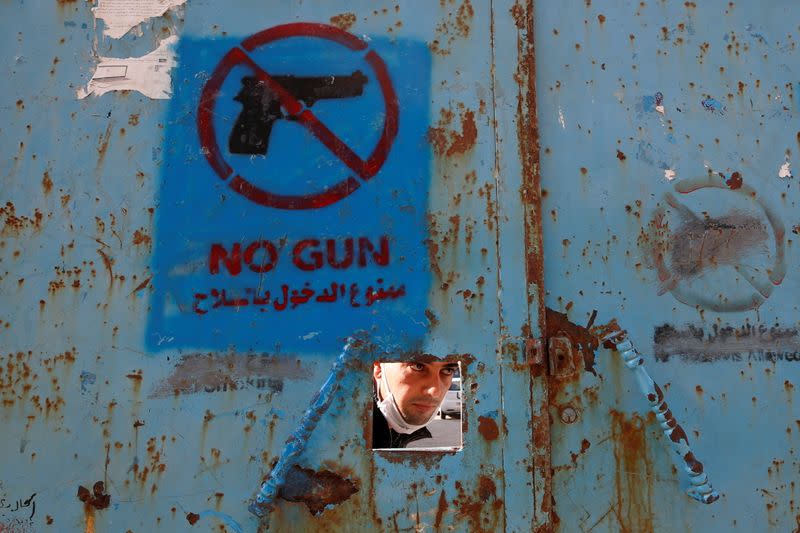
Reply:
x=419 y=419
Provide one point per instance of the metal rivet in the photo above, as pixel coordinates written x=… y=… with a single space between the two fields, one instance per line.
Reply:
x=569 y=415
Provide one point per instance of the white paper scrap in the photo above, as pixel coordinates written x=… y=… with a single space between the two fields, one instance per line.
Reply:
x=149 y=74
x=122 y=15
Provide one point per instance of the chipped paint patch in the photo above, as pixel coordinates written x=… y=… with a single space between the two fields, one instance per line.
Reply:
x=120 y=16
x=785 y=171
x=669 y=174
x=317 y=490
x=561 y=119
x=148 y=74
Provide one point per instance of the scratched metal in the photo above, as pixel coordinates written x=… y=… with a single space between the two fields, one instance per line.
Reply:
x=126 y=408
x=669 y=131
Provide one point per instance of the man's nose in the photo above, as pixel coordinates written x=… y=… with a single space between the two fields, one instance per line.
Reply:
x=434 y=387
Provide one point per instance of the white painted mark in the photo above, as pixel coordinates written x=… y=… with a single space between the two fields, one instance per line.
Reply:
x=785 y=171
x=311 y=335
x=561 y=119
x=669 y=174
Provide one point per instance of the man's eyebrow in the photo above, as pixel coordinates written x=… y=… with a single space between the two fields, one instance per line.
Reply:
x=451 y=365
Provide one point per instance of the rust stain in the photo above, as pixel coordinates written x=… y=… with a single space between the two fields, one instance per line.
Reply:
x=198 y=372
x=464 y=16
x=343 y=21
x=585 y=445
x=483 y=510
x=316 y=490
x=108 y=262
x=621 y=155
x=47 y=183
x=528 y=150
x=441 y=509
x=141 y=286
x=633 y=477
x=97 y=498
x=559 y=325
x=192 y=518
x=14 y=224
x=102 y=147
x=735 y=181
x=448 y=142
x=140 y=237
x=488 y=429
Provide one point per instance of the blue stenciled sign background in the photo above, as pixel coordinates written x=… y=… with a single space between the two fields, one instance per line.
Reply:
x=231 y=273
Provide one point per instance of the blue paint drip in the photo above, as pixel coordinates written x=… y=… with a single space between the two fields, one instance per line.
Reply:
x=296 y=443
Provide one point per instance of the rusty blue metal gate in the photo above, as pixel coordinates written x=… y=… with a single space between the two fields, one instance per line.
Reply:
x=203 y=203
x=179 y=277
x=668 y=135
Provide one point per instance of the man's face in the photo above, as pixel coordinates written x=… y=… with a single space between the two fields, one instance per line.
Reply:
x=418 y=388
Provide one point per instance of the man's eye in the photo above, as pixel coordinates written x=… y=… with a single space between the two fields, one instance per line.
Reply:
x=417 y=366
x=448 y=371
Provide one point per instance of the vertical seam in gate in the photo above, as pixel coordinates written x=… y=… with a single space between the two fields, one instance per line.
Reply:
x=496 y=177
x=528 y=141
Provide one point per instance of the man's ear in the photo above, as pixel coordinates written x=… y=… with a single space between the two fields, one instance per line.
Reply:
x=376 y=370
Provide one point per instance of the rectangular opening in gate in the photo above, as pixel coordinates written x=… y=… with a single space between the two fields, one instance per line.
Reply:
x=417 y=404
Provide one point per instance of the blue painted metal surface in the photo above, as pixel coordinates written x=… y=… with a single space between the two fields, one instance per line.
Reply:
x=142 y=357
x=668 y=132
x=648 y=147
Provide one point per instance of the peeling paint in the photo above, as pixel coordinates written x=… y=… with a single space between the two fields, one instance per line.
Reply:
x=148 y=74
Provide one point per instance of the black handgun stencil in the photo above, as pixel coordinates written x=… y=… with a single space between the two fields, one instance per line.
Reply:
x=261 y=107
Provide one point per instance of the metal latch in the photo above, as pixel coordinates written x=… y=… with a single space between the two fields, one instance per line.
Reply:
x=559 y=351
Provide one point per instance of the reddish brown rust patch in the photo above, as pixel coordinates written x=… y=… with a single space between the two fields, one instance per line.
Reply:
x=633 y=477
x=316 y=489
x=447 y=142
x=47 y=182
x=192 y=518
x=14 y=224
x=97 y=498
x=140 y=237
x=559 y=325
x=343 y=21
x=528 y=150
x=735 y=181
x=488 y=429
x=441 y=509
x=141 y=286
x=585 y=444
x=102 y=145
x=621 y=155
x=482 y=510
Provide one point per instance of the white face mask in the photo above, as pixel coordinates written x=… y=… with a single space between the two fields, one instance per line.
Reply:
x=391 y=412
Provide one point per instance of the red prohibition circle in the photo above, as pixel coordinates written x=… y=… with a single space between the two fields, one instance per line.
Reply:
x=364 y=169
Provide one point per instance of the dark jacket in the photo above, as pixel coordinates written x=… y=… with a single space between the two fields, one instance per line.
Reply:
x=385 y=437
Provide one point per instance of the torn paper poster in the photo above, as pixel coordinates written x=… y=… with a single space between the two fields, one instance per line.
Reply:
x=122 y=15
x=149 y=74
